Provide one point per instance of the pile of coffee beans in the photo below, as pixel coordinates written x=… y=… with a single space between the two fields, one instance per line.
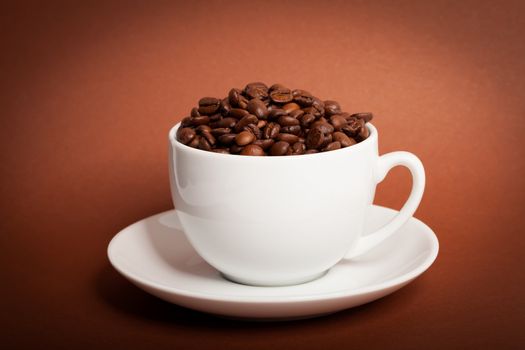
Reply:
x=274 y=121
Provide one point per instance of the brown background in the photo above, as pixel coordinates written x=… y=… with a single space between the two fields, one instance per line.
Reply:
x=90 y=90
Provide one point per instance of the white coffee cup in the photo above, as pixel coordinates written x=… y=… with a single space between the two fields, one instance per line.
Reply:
x=284 y=220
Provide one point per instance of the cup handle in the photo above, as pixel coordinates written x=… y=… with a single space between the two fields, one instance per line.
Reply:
x=385 y=163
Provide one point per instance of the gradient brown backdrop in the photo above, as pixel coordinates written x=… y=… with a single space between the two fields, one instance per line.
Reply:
x=89 y=91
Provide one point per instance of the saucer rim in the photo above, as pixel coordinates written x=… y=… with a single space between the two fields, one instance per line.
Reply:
x=344 y=293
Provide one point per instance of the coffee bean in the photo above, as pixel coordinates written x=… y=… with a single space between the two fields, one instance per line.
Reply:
x=257 y=108
x=292 y=106
x=221 y=150
x=256 y=90
x=225 y=107
x=209 y=137
x=332 y=146
x=331 y=107
x=252 y=150
x=200 y=120
x=271 y=130
x=227 y=139
x=236 y=148
x=195 y=142
x=195 y=112
x=364 y=116
x=264 y=144
x=220 y=131
x=204 y=144
x=343 y=139
x=306 y=120
x=337 y=121
x=249 y=119
x=244 y=137
x=287 y=138
x=276 y=113
x=298 y=148
x=285 y=120
x=185 y=135
x=303 y=98
x=281 y=95
x=234 y=97
x=279 y=148
x=209 y=105
x=224 y=123
x=292 y=129
x=238 y=113
x=276 y=120
x=314 y=138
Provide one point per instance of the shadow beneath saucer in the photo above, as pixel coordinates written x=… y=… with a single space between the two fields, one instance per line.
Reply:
x=116 y=292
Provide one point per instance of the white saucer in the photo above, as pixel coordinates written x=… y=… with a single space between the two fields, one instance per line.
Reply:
x=155 y=255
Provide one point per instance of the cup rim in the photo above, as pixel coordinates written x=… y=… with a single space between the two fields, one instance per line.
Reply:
x=354 y=148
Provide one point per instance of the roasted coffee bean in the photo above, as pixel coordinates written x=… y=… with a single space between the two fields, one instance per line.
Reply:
x=204 y=144
x=185 y=122
x=257 y=108
x=252 y=150
x=323 y=126
x=292 y=129
x=297 y=114
x=364 y=116
x=215 y=117
x=234 y=97
x=331 y=107
x=202 y=128
x=306 y=120
x=254 y=130
x=195 y=112
x=209 y=105
x=236 y=148
x=298 y=148
x=285 y=120
x=238 y=113
x=200 y=120
x=264 y=144
x=209 y=137
x=195 y=142
x=271 y=121
x=314 y=138
x=281 y=94
x=227 y=139
x=220 y=131
x=271 y=130
x=256 y=90
x=249 y=119
x=224 y=123
x=244 y=138
x=332 y=146
x=291 y=139
x=185 y=135
x=337 y=121
x=303 y=98
x=279 y=148
x=363 y=133
x=292 y=106
x=261 y=124
x=343 y=139
x=276 y=113
x=225 y=107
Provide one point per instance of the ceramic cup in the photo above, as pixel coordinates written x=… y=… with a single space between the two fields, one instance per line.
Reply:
x=273 y=221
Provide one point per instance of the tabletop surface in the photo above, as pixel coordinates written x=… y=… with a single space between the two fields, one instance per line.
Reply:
x=90 y=90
